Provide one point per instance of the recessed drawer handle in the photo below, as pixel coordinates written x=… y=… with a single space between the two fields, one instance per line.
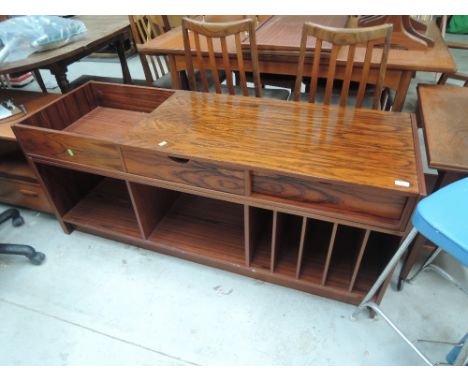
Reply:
x=29 y=193
x=178 y=160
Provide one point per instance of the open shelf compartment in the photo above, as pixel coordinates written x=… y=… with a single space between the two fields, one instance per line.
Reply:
x=286 y=247
x=91 y=201
x=258 y=236
x=99 y=110
x=201 y=226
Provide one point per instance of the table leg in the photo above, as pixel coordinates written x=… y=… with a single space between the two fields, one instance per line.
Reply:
x=39 y=80
x=174 y=74
x=402 y=90
x=119 y=46
x=60 y=73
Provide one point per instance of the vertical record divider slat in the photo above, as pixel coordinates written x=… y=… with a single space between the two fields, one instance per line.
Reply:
x=249 y=235
x=275 y=232
x=357 y=264
x=301 y=247
x=329 y=253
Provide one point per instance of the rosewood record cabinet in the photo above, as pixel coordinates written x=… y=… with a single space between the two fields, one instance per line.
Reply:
x=307 y=196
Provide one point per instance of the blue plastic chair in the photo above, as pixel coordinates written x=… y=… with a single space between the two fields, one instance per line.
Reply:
x=443 y=219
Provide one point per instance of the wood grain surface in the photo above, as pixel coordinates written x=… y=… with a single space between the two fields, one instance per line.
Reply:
x=444 y=113
x=363 y=147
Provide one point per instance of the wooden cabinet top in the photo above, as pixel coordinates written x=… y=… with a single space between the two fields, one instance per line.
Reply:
x=281 y=138
x=444 y=113
x=354 y=146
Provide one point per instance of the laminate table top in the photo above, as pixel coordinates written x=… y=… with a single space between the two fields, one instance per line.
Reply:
x=444 y=114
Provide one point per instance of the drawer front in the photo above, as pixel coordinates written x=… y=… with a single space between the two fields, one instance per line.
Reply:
x=188 y=172
x=80 y=150
x=23 y=194
x=346 y=199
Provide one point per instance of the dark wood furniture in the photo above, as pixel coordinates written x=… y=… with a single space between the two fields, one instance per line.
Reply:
x=278 y=41
x=343 y=43
x=18 y=183
x=293 y=193
x=443 y=115
x=101 y=31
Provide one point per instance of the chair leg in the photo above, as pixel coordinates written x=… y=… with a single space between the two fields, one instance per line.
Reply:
x=383 y=276
x=447 y=276
x=376 y=308
x=12 y=213
x=428 y=262
x=36 y=258
x=462 y=358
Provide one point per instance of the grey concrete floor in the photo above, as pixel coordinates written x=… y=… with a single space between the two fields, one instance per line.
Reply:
x=100 y=302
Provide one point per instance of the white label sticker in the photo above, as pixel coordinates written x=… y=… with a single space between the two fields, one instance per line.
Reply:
x=162 y=143
x=402 y=183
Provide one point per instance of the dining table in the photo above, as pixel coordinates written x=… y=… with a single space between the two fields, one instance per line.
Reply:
x=101 y=31
x=278 y=41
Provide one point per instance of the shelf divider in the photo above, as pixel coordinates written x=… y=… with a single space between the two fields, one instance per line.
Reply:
x=357 y=264
x=275 y=229
x=150 y=205
x=329 y=253
x=301 y=247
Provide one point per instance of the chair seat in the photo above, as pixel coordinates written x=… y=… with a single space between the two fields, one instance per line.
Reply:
x=442 y=218
x=335 y=99
x=281 y=94
x=166 y=81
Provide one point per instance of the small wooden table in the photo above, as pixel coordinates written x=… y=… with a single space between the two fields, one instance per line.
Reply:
x=278 y=40
x=101 y=31
x=308 y=196
x=443 y=115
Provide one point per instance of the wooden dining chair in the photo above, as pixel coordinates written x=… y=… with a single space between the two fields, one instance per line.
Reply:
x=221 y=41
x=345 y=43
x=155 y=67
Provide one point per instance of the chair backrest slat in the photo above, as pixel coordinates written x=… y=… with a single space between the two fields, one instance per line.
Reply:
x=348 y=74
x=214 y=66
x=227 y=66
x=145 y=28
x=344 y=42
x=331 y=75
x=233 y=45
x=315 y=71
x=364 y=75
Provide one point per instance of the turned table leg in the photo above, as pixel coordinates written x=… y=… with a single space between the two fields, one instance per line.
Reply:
x=60 y=73
x=119 y=46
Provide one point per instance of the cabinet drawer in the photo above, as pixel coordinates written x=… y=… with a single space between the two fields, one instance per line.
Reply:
x=184 y=171
x=81 y=150
x=349 y=200
x=23 y=194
